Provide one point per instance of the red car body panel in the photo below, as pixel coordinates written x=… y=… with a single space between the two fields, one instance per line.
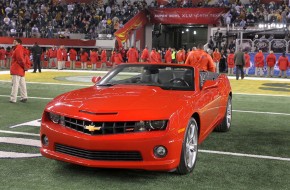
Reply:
x=134 y=103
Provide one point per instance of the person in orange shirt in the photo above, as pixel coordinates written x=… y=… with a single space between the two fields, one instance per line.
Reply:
x=283 y=64
x=159 y=57
x=94 y=58
x=180 y=56
x=167 y=57
x=154 y=56
x=259 y=63
x=84 y=56
x=247 y=63
x=132 y=55
x=2 y=57
x=216 y=59
x=52 y=56
x=145 y=55
x=270 y=61
x=231 y=63
x=72 y=57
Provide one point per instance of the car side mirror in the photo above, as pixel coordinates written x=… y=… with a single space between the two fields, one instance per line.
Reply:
x=96 y=79
x=210 y=84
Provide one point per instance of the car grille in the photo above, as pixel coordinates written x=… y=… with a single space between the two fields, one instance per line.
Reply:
x=100 y=128
x=99 y=155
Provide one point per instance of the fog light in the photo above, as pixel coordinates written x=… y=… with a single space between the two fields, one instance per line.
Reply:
x=160 y=151
x=44 y=140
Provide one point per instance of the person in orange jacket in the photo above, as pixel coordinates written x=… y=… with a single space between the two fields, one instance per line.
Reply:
x=231 y=63
x=118 y=59
x=2 y=57
x=84 y=56
x=247 y=63
x=216 y=59
x=52 y=56
x=259 y=63
x=94 y=58
x=72 y=57
x=159 y=57
x=8 y=57
x=283 y=63
x=145 y=55
x=180 y=56
x=132 y=55
x=154 y=56
x=270 y=62
x=167 y=57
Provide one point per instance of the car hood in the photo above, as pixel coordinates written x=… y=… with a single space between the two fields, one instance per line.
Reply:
x=121 y=99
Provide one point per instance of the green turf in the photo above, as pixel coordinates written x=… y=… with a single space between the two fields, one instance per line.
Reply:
x=251 y=133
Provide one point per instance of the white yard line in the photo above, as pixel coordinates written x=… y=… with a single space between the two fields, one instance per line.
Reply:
x=246 y=94
x=245 y=155
x=259 y=112
x=19 y=133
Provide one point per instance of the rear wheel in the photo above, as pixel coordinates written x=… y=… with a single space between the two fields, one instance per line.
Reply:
x=227 y=121
x=189 y=148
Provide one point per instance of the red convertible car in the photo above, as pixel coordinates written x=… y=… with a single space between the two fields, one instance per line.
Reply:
x=138 y=116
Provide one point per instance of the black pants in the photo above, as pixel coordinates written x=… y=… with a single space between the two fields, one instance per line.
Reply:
x=36 y=63
x=241 y=68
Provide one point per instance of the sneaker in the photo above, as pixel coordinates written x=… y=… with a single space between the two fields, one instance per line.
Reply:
x=12 y=102
x=24 y=100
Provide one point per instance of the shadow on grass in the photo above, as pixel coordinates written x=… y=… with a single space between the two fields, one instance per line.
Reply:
x=282 y=87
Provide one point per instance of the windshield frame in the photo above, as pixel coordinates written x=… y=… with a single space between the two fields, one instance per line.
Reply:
x=106 y=80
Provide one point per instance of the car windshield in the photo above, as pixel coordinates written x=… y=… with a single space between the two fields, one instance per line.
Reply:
x=167 y=77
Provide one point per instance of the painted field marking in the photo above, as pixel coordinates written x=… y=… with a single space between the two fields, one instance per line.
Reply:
x=245 y=155
x=19 y=133
x=259 y=112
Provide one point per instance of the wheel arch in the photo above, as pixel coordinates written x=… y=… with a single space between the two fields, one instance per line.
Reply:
x=197 y=119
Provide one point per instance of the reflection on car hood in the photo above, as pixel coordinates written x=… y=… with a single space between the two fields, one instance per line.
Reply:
x=120 y=98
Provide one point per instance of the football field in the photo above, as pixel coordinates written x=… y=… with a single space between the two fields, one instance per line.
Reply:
x=254 y=154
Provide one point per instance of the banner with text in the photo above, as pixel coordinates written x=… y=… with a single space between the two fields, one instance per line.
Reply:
x=186 y=15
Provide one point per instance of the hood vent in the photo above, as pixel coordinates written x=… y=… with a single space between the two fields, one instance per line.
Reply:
x=98 y=113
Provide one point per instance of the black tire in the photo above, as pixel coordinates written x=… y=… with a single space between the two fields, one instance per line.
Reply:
x=227 y=121
x=189 y=150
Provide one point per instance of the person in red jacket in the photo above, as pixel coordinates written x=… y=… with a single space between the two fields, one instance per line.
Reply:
x=270 y=61
x=17 y=71
x=132 y=55
x=94 y=58
x=216 y=59
x=61 y=57
x=52 y=56
x=259 y=63
x=231 y=63
x=247 y=63
x=2 y=57
x=145 y=55
x=72 y=57
x=118 y=59
x=84 y=56
x=180 y=56
x=104 y=58
x=167 y=57
x=154 y=56
x=159 y=56
x=283 y=64
x=8 y=57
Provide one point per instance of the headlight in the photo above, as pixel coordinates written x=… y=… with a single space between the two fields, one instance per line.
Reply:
x=55 y=118
x=153 y=125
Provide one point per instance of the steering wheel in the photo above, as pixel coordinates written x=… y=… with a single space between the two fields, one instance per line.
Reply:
x=178 y=82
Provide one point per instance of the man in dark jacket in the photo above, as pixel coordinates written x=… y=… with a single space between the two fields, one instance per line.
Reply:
x=239 y=62
x=36 y=53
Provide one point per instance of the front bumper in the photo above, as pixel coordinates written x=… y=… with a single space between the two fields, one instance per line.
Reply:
x=142 y=142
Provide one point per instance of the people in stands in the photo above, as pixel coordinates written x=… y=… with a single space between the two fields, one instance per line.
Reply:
x=259 y=63
x=270 y=62
x=283 y=64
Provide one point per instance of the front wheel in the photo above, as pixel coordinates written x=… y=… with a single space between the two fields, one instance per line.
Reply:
x=189 y=148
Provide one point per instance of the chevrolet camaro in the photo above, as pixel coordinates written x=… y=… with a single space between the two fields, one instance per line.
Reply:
x=138 y=116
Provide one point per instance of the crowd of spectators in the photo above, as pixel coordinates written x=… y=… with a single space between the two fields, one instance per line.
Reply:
x=50 y=19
